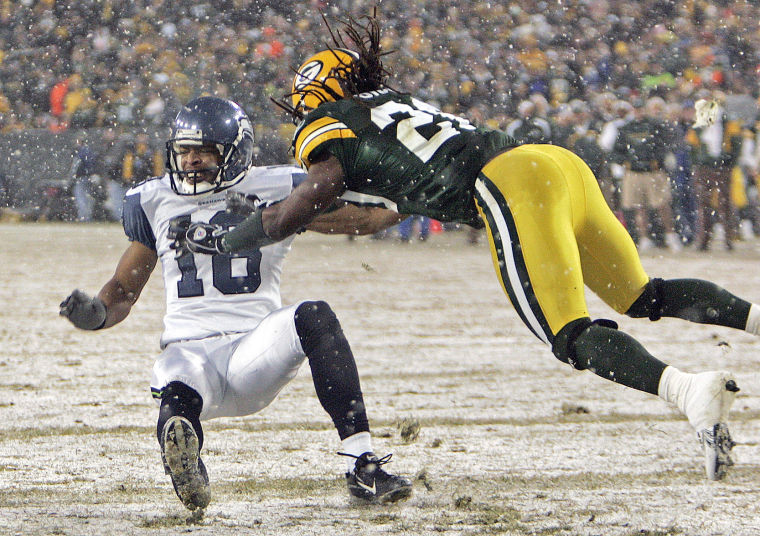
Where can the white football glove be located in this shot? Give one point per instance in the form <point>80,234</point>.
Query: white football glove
<point>706,113</point>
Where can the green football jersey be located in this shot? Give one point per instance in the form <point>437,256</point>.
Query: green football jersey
<point>395,147</point>
<point>643,144</point>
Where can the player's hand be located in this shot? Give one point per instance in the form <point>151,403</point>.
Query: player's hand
<point>83,311</point>
<point>205,238</point>
<point>238,203</point>
<point>195,237</point>
<point>177,234</point>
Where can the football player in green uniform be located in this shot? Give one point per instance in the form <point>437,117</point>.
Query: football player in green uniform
<point>549,228</point>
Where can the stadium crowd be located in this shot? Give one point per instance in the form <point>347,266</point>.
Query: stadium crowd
<point>569,73</point>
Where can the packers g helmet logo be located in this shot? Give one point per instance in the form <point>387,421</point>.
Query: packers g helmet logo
<point>307,74</point>
<point>318,79</point>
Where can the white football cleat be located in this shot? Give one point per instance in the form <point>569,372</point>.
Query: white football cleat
<point>716,445</point>
<point>707,402</point>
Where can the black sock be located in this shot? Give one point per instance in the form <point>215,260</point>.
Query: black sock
<point>616,356</point>
<point>694,300</point>
<point>704,302</point>
<point>179,399</point>
<point>333,368</point>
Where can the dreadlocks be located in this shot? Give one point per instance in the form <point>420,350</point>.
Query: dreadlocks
<point>366,73</point>
<point>369,73</point>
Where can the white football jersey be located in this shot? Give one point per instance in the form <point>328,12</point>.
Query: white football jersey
<point>211,294</point>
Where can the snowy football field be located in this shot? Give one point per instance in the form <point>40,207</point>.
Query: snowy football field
<point>499,436</point>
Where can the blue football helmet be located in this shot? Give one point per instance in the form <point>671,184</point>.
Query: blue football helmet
<point>210,121</point>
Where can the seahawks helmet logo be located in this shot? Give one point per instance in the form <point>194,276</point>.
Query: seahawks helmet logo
<point>308,74</point>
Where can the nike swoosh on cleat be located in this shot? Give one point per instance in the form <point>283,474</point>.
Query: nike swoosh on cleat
<point>372,489</point>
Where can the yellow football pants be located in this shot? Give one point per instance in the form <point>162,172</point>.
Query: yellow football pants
<point>551,233</point>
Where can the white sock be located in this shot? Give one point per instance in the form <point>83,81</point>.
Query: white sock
<point>673,386</point>
<point>753,320</point>
<point>356,445</point>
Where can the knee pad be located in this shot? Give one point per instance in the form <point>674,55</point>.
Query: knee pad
<point>649,304</point>
<point>314,320</point>
<point>563,346</point>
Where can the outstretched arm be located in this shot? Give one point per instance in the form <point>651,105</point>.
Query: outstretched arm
<point>307,201</point>
<point>120,293</point>
<point>266,226</point>
<point>355,220</point>
<point>115,299</point>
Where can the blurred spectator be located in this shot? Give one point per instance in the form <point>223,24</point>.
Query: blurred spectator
<point>89,191</point>
<point>125,163</point>
<point>641,147</point>
<point>530,127</point>
<point>112,168</point>
<point>414,224</point>
<point>134,54</point>
<point>619,113</point>
<point>716,151</point>
<point>57,107</point>
<point>749,214</point>
<point>679,166</point>
<point>585,143</point>
<point>562,125</point>
<point>54,202</point>
<point>78,104</point>
<point>5,192</point>
<point>58,96</point>
<point>130,63</point>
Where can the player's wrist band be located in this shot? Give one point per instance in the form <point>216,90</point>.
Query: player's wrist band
<point>100,309</point>
<point>248,235</point>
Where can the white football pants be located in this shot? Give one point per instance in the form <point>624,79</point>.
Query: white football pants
<point>236,374</point>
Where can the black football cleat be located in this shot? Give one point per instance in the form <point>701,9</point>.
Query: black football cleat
<point>180,453</point>
<point>370,483</point>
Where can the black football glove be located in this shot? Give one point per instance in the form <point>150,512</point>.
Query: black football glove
<point>83,311</point>
<point>205,238</point>
<point>241,204</point>
<point>195,237</point>
<point>177,232</point>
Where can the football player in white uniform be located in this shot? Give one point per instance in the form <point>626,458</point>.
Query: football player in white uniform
<point>228,345</point>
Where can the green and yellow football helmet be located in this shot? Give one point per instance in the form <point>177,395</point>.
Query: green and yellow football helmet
<point>318,79</point>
